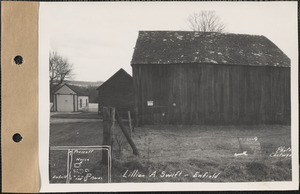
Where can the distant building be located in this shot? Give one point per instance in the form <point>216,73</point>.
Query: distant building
<point>117,92</point>
<point>189,77</point>
<point>68,98</point>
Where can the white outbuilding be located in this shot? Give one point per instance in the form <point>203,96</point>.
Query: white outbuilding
<point>69,98</point>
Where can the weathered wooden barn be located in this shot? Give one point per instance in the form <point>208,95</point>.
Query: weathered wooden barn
<point>117,92</point>
<point>69,98</point>
<point>185,77</point>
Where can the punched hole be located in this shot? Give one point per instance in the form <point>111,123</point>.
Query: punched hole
<point>17,137</point>
<point>18,60</point>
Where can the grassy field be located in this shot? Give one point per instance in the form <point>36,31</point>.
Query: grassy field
<point>187,153</point>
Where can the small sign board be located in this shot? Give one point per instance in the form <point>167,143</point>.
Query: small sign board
<point>250,144</point>
<point>150,103</point>
<point>84,164</point>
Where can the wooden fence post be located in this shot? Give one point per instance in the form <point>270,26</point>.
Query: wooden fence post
<point>129,121</point>
<point>119,120</point>
<point>136,120</point>
<point>108,130</point>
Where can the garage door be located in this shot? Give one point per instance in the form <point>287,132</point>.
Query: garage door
<point>65,103</point>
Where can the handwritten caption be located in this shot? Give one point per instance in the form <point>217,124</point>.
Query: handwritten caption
<point>282,152</point>
<point>82,161</point>
<point>84,167</point>
<point>164,174</point>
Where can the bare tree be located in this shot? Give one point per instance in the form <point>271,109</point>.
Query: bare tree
<point>59,69</point>
<point>205,21</point>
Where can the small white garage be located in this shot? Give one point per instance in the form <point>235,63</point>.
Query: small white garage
<point>68,98</point>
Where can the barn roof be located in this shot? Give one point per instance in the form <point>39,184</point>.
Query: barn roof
<point>115,79</point>
<point>173,47</point>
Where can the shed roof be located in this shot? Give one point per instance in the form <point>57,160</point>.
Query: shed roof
<point>115,80</point>
<point>80,91</point>
<point>173,47</point>
<point>117,91</point>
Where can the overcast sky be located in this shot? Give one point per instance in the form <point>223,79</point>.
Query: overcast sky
<point>99,38</point>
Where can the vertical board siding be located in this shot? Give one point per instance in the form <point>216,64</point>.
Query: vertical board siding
<point>212,94</point>
<point>117,92</point>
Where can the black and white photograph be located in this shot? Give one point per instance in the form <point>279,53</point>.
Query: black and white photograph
<point>169,93</point>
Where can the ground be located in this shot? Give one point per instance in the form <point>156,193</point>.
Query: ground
<point>172,153</point>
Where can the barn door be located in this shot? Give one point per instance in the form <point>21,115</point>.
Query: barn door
<point>173,112</point>
<point>173,107</point>
<point>160,114</point>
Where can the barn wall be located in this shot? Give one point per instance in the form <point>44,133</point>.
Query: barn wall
<point>118,94</point>
<point>123,101</point>
<point>212,94</point>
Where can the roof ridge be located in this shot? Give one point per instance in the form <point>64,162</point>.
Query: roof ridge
<point>119,71</point>
<point>187,31</point>
<point>65,84</point>
<point>177,47</point>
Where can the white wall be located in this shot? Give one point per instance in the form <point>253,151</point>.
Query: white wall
<point>93,107</point>
<point>84,105</point>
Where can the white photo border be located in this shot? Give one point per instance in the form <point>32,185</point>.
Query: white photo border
<point>44,116</point>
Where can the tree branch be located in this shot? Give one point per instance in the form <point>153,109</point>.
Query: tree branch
<point>205,21</point>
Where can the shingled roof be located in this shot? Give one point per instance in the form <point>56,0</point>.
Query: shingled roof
<point>173,47</point>
<point>116,80</point>
<point>80,91</point>
<point>117,91</point>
